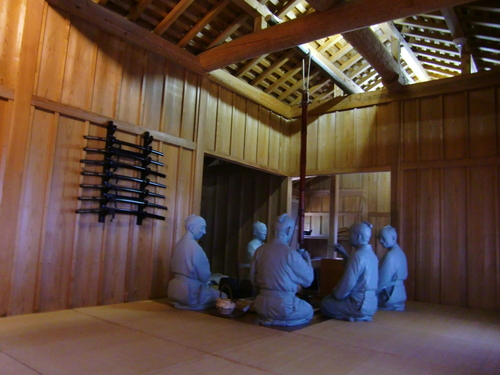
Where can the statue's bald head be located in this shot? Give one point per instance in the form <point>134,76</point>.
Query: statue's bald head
<point>360,233</point>
<point>196,225</point>
<point>283,227</point>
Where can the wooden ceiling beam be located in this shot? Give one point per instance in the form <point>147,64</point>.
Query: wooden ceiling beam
<point>340,79</point>
<point>219,7</point>
<point>460,38</point>
<point>138,9</point>
<point>229,30</point>
<point>348,16</point>
<point>329,43</point>
<point>249,66</point>
<point>440,38</point>
<point>439,27</point>
<point>172,16</point>
<point>287,8</point>
<point>273,67</point>
<point>407,53</point>
<point>367,43</point>
<point>285,77</point>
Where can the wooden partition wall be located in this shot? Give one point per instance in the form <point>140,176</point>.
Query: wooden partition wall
<point>234,197</point>
<point>60,79</point>
<point>444,154</point>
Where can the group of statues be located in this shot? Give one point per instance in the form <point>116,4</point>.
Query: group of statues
<point>277,270</point>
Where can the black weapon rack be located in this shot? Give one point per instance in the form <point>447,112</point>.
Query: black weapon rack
<point>114,185</point>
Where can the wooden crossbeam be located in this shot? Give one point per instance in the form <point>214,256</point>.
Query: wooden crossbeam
<point>284,77</point>
<point>138,9</point>
<point>348,16</point>
<point>287,8</point>
<point>219,7</point>
<point>273,67</point>
<point>172,16</point>
<point>367,43</point>
<point>238,22</point>
<point>407,53</point>
<point>440,27</point>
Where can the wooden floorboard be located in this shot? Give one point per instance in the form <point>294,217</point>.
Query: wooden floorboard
<point>151,337</point>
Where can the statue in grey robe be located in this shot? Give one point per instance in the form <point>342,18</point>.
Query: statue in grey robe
<point>392,272</point>
<point>354,297</point>
<point>189,288</point>
<point>277,270</point>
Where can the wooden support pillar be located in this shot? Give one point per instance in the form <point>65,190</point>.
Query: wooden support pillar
<point>334,214</point>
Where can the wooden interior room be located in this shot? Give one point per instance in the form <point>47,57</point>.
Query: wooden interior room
<point>403,128</point>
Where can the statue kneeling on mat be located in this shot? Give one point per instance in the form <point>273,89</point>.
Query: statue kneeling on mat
<point>392,272</point>
<point>354,297</point>
<point>189,289</point>
<point>277,270</point>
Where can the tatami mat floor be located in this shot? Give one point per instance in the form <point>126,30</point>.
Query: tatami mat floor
<point>151,337</point>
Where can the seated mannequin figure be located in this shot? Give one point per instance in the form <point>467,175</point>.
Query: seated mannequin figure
<point>277,270</point>
<point>354,297</point>
<point>188,289</point>
<point>392,272</point>
<point>259,235</point>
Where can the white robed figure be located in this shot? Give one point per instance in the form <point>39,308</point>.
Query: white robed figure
<point>277,270</point>
<point>189,288</point>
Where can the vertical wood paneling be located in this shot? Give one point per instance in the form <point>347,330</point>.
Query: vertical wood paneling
<point>153,82</point>
<point>224,125</point>
<point>274,141</point>
<point>410,130</point>
<point>388,122</point>
<point>86,268</point>
<point>163,232</point>
<point>53,58</point>
<point>409,235</point>
<point>238,128</point>
<point>130,97</point>
<point>107,75</point>
<point>11,25</point>
<point>344,140</point>
<point>80,65</point>
<point>312,152</point>
<point>455,126</point>
<point>428,254</point>
<point>209,94</point>
<point>454,238</point>
<point>189,106</point>
<point>172,99</point>
<point>17,130</point>
<point>483,129</point>
<point>33,211</point>
<point>430,129</point>
<point>251,132</point>
<point>57,253</point>
<point>481,239</point>
<point>263,137</point>
<point>326,138</point>
<point>284,145</point>
<point>365,124</point>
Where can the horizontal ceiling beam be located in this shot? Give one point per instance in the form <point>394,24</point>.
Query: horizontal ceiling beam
<point>342,17</point>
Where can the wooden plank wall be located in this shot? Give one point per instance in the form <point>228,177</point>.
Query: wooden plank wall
<point>235,197</point>
<point>61,79</point>
<point>362,196</point>
<point>444,155</point>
